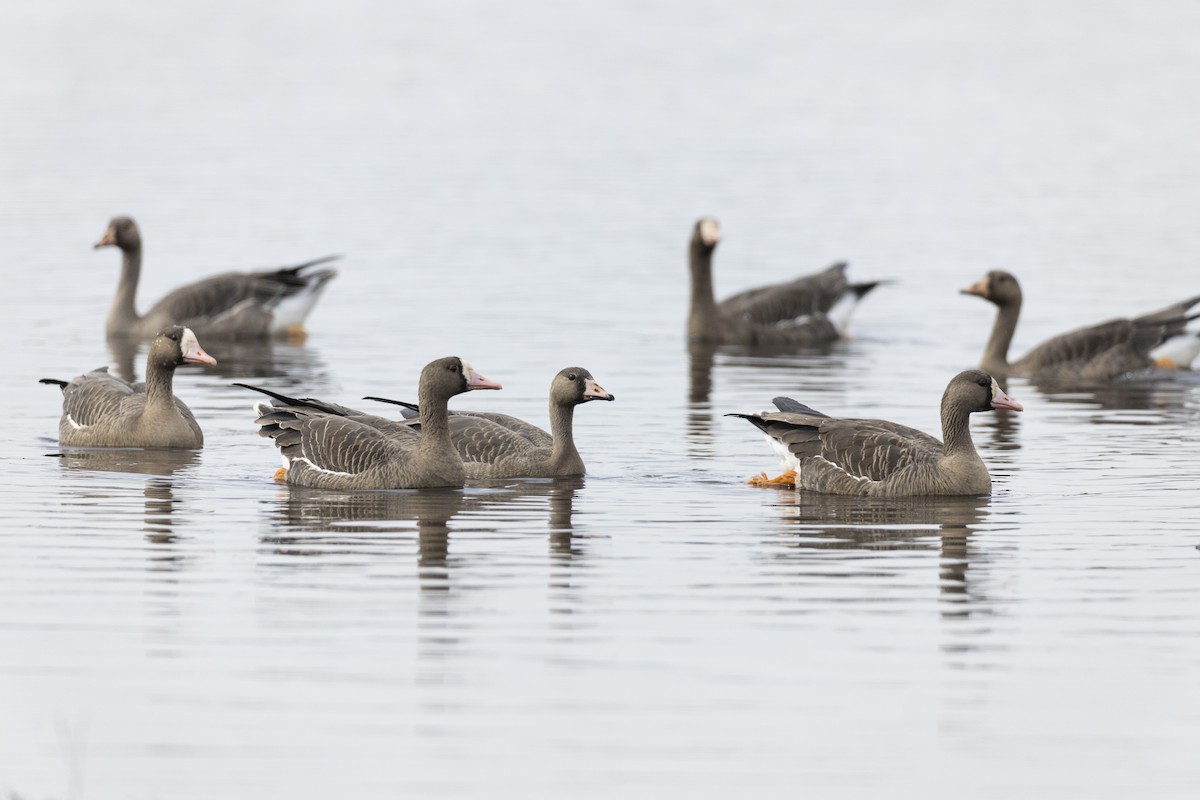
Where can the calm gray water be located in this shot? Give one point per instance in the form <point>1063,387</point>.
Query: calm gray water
<point>515,183</point>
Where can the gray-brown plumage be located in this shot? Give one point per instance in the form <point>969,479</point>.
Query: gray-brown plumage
<point>102,410</point>
<point>795,314</point>
<point>1096,353</point>
<point>500,446</point>
<point>327,446</point>
<point>876,458</point>
<point>230,305</point>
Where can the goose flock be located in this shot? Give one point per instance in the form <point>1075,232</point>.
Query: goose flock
<point>330,446</point>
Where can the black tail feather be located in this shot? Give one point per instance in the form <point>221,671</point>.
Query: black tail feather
<point>795,406</point>
<point>53,381</point>
<point>302,402</point>
<point>413,408</point>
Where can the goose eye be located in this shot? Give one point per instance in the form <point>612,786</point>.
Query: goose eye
<point>571,377</point>
<point>454,367</point>
<point>174,337</point>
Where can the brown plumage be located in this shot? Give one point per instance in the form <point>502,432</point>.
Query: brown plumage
<point>1096,353</point>
<point>500,446</point>
<point>327,446</point>
<point>870,457</point>
<point>102,410</point>
<point>230,305</point>
<point>795,314</point>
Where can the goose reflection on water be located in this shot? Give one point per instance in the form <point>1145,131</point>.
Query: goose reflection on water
<point>315,523</point>
<point>162,507</point>
<point>1159,390</point>
<point>777,373</point>
<point>831,522</point>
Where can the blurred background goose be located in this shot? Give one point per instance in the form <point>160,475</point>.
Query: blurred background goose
<point>326,446</point>
<point>1096,353</point>
<point>876,458</point>
<point>102,410</point>
<point>811,310</point>
<point>230,305</point>
<point>500,446</point>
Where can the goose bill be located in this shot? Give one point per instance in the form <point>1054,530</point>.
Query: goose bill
<point>593,391</point>
<point>1001,400</point>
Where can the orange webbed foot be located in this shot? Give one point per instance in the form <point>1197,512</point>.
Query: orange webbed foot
<point>295,334</point>
<point>784,480</point>
<point>280,475</point>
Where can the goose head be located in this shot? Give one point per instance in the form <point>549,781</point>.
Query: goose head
<point>706,233</point>
<point>997,287</point>
<point>449,376</point>
<point>974,390</point>
<point>177,345</point>
<point>575,385</point>
<point>122,232</point>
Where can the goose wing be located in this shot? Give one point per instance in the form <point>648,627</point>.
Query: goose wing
<point>97,397</point>
<point>874,449</point>
<point>222,298</point>
<point>483,440</point>
<point>1105,350</point>
<point>330,443</point>
<point>768,305</point>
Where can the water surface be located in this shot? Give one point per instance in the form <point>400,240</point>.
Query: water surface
<point>515,184</point>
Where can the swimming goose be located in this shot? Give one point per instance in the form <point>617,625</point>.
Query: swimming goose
<point>1097,353</point>
<point>230,305</point>
<point>499,446</point>
<point>102,410</point>
<point>810,310</point>
<point>871,457</point>
<point>326,446</point>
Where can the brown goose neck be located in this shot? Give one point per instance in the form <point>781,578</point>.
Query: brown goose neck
<point>124,311</point>
<point>159,384</point>
<point>562,419</point>
<point>956,428</point>
<point>435,420</point>
<point>702,318</point>
<point>995,355</point>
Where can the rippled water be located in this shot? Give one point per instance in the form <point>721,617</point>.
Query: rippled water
<point>515,184</point>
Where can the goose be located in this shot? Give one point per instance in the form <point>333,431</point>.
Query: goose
<point>499,446</point>
<point>230,305</point>
<point>327,446</point>
<point>1096,353</point>
<point>810,310</point>
<point>102,410</point>
<point>875,458</point>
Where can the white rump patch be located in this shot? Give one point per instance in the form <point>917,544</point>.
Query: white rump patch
<point>785,456</point>
<point>843,309</point>
<point>291,310</point>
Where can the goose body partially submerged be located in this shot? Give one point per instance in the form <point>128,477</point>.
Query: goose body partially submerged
<point>810,310</point>
<point>102,410</point>
<point>243,305</point>
<point>877,458</point>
